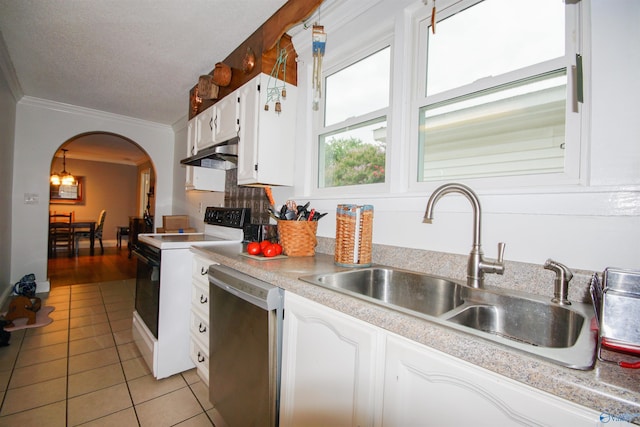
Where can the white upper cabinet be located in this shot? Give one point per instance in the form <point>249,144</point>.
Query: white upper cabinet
<point>218,123</point>
<point>225,118</point>
<point>204,129</point>
<point>266,145</point>
<point>198,178</point>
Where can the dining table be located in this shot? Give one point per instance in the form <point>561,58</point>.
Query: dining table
<point>81,225</point>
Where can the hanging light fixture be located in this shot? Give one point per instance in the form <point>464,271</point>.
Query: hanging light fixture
<point>64,178</point>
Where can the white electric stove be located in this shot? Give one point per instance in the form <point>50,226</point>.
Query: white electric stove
<point>163,288</point>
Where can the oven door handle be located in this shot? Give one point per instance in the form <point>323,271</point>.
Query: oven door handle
<point>145,259</point>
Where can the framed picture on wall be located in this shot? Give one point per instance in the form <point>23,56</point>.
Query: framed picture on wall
<point>67,194</point>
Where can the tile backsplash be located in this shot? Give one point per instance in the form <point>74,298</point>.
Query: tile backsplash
<point>246,197</point>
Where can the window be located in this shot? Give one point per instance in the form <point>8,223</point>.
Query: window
<point>493,96</point>
<point>352,139</point>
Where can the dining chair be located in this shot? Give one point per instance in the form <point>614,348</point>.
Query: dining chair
<point>97,233</point>
<point>60,233</point>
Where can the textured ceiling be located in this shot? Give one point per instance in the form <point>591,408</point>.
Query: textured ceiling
<point>137,58</point>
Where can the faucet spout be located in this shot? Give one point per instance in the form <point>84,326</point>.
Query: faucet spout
<point>469,194</point>
<point>477,266</point>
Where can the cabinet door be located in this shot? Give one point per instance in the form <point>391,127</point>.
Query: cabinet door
<point>248,144</point>
<point>191,150</point>
<point>267,138</point>
<point>225,120</point>
<point>328,367</point>
<point>423,386</point>
<point>204,132</point>
<point>192,137</point>
<point>207,179</point>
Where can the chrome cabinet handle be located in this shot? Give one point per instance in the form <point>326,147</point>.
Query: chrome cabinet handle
<point>203,271</point>
<point>203,299</point>
<point>202,328</point>
<point>200,357</point>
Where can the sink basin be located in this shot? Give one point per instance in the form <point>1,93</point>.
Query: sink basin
<point>525,322</point>
<point>399,289</point>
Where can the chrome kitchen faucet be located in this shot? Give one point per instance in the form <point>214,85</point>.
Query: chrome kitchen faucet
<point>477,266</point>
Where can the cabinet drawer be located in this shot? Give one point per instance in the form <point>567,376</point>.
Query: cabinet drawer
<point>199,328</point>
<point>200,298</point>
<point>201,359</point>
<point>200,269</point>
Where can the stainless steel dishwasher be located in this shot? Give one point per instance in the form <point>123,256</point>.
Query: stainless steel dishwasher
<point>245,345</point>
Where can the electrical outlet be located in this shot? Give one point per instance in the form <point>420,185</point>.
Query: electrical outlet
<point>200,207</point>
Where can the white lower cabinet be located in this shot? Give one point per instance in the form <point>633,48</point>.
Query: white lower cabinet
<point>423,386</point>
<point>340,371</point>
<point>199,320</point>
<point>329,367</point>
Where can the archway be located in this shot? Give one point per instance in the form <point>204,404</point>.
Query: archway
<point>114,173</point>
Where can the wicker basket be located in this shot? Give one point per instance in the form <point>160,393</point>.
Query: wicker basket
<point>354,234</point>
<point>298,238</point>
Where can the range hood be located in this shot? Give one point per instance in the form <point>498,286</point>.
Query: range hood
<point>219,156</point>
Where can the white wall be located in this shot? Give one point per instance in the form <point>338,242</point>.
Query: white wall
<point>591,225</point>
<point>7,127</point>
<point>41,127</point>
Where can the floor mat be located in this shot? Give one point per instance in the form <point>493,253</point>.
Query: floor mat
<point>42,319</point>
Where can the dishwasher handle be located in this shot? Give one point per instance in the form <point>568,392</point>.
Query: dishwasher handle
<point>250,289</point>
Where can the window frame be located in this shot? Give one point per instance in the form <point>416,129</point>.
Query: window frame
<point>333,64</point>
<point>574,159</point>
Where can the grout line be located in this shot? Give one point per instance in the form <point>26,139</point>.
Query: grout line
<point>66,402</point>
<point>124,375</point>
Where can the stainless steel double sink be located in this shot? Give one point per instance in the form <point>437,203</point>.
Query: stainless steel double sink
<point>527,322</point>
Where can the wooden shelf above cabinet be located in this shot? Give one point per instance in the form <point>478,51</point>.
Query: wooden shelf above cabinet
<point>265,44</point>
<point>264,62</point>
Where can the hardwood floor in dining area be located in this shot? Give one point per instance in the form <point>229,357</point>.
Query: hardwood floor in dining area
<point>114,264</point>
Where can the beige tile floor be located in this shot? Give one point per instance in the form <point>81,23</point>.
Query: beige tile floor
<point>84,369</point>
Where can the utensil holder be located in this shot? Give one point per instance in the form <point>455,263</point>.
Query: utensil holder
<point>354,233</point>
<point>298,238</point>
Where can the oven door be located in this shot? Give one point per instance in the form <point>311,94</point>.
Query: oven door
<point>147,301</point>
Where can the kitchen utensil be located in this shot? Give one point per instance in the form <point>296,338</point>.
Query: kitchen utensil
<point>269,193</point>
<point>290,215</point>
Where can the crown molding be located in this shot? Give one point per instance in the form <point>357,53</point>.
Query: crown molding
<point>74,109</point>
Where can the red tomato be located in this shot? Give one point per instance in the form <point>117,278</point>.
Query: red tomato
<point>254,248</point>
<point>264,243</point>
<point>269,251</point>
<point>278,248</point>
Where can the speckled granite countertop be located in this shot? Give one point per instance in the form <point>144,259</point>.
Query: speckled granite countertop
<point>607,388</point>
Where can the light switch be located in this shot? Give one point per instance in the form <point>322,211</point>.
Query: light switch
<point>31,198</point>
